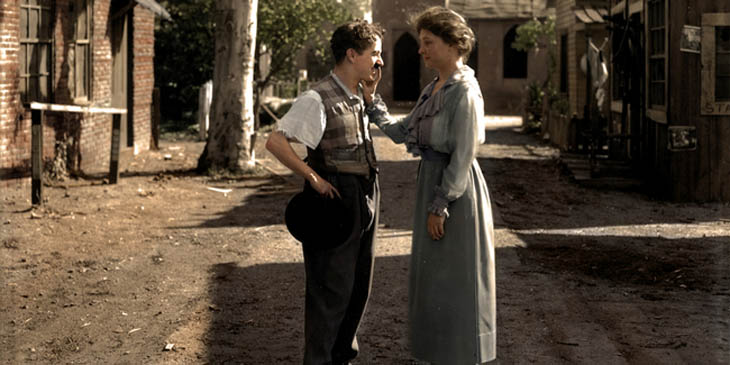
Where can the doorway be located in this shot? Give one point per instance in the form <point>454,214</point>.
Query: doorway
<point>406,69</point>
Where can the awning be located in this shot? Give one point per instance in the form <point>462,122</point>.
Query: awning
<point>155,7</point>
<point>590,15</point>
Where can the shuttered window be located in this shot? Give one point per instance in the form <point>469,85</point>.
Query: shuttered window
<point>82,50</point>
<point>36,48</point>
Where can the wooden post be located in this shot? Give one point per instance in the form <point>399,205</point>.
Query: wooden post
<point>156,118</point>
<point>36,159</point>
<point>114,159</point>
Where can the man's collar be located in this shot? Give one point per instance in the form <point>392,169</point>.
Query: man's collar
<point>342,85</point>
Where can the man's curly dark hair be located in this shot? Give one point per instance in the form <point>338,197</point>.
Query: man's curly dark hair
<point>357,34</point>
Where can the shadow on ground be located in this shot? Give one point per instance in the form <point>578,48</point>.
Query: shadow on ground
<point>258,314</point>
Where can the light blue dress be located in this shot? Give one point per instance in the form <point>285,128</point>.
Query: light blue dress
<point>452,301</point>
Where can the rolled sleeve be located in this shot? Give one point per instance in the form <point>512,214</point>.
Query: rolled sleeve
<point>306,120</point>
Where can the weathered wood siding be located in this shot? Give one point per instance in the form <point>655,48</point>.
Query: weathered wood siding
<point>704,173</point>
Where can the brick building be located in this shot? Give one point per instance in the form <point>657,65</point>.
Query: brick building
<point>503,72</point>
<point>74,52</point>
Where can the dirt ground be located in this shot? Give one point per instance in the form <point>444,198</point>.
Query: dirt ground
<point>114,274</point>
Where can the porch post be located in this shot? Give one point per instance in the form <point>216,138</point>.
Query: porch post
<point>36,156</point>
<point>114,154</point>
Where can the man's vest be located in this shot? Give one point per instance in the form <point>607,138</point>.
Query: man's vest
<point>339,150</point>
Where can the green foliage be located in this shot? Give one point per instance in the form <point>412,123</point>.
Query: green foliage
<point>184,57</point>
<point>185,46</point>
<point>536,35</point>
<point>533,107</point>
<point>285,27</point>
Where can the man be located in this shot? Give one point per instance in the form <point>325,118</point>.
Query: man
<point>330,120</point>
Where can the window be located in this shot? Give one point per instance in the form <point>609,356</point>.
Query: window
<point>657,33</point>
<point>82,51</point>
<point>715,53</point>
<point>515,62</point>
<point>36,45</point>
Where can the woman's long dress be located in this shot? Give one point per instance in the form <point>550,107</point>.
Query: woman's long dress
<point>452,301</point>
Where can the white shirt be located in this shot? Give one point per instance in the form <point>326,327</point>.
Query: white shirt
<point>307,119</point>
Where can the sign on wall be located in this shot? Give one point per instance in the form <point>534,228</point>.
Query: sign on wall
<point>682,138</point>
<point>691,37</point>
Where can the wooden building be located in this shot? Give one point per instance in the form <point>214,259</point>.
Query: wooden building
<point>578,23</point>
<point>74,52</point>
<point>669,88</point>
<point>683,122</point>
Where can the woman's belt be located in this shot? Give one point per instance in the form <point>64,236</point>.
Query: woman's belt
<point>431,155</point>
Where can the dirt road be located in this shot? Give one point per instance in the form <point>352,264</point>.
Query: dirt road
<point>112,274</point>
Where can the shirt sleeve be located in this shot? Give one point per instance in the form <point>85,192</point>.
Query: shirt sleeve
<point>306,120</point>
<point>464,139</point>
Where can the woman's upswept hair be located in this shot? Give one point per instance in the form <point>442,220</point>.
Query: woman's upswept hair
<point>357,34</point>
<point>448,25</point>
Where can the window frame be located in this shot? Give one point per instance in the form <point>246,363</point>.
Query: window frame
<point>564,83</point>
<point>25,42</point>
<point>709,104</point>
<point>82,80</point>
<point>657,112</point>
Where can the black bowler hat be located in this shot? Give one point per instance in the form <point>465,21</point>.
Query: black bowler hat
<point>319,222</point>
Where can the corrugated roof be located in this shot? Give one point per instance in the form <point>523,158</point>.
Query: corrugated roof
<point>494,9</point>
<point>155,7</point>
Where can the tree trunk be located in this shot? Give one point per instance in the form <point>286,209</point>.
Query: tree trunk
<point>231,118</point>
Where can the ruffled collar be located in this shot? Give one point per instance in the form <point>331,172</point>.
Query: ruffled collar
<point>419,128</point>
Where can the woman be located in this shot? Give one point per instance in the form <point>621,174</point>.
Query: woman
<point>452,314</point>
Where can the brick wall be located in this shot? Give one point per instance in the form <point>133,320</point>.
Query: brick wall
<point>95,130</point>
<point>89,135</point>
<point>144,76</point>
<point>14,130</point>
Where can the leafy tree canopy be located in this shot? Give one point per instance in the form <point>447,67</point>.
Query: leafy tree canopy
<point>285,27</point>
<point>184,47</point>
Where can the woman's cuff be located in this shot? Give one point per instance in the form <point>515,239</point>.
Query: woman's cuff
<point>377,109</point>
<point>440,204</point>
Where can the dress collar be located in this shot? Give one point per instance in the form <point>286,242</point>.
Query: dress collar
<point>419,127</point>
<point>461,74</point>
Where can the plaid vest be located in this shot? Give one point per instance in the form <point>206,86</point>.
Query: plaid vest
<point>339,150</point>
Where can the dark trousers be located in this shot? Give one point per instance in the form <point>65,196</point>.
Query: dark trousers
<point>339,279</point>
